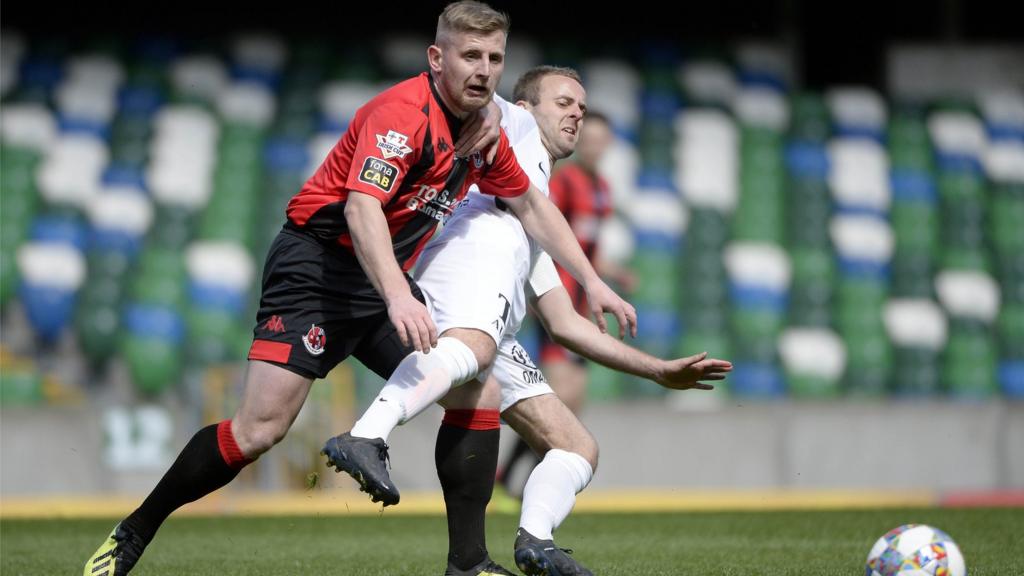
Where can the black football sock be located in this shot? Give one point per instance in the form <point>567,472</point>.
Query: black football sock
<point>209,461</point>
<point>466,456</point>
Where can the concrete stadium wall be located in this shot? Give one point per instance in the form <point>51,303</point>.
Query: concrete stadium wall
<point>895,445</point>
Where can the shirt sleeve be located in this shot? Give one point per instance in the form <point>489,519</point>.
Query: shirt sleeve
<point>388,144</point>
<point>505,178</point>
<point>543,275</point>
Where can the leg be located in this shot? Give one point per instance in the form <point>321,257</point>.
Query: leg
<point>211,459</point>
<point>423,379</point>
<point>466,454</point>
<point>566,374</point>
<point>568,378</point>
<point>416,381</point>
<point>570,457</point>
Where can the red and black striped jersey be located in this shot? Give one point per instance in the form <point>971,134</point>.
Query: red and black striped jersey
<point>585,200</point>
<point>399,148</point>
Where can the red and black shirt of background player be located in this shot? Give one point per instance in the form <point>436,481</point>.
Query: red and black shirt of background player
<point>585,200</point>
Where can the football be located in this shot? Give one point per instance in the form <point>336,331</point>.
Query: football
<point>915,550</point>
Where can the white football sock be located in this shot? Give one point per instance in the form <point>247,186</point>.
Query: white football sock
<point>550,492</point>
<point>419,381</point>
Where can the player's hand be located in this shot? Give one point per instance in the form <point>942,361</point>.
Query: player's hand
<point>603,300</point>
<point>481,132</point>
<point>687,373</point>
<point>413,323</point>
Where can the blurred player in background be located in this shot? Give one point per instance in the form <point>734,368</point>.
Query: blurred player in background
<point>335,282</point>
<point>584,198</point>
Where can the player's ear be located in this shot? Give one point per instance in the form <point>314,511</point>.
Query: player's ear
<point>434,54</point>
<point>523,104</point>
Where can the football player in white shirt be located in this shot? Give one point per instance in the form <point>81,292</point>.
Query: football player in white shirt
<point>477,275</point>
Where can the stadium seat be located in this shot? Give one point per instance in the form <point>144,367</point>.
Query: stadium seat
<point>918,330</point>
<point>1011,378</point>
<point>970,361</point>
<point>614,87</point>
<point>198,78</point>
<point>151,346</point>
<point>814,360</point>
<point>159,278</point>
<point>759,278</point>
<point>120,218</point>
<point>28,126</point>
<point>971,299</point>
<point>12,49</point>
<point>708,83</point>
<point>51,274</point>
<point>220,275</point>
<point>859,176</point>
<point>246,103</point>
<point>813,286</point>
<point>763,64</point>
<point>810,121</point>
<point>659,222</point>
<point>258,58</point>
<point>761,108</point>
<point>1003,113</point>
<point>857,112</point>
<point>707,160</point>
<point>756,381</point>
<point>402,54</point>
<point>70,173</point>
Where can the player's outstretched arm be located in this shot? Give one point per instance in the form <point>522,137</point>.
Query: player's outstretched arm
<point>574,332</point>
<point>546,224</point>
<point>372,243</point>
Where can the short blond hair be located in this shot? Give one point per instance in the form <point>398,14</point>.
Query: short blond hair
<point>469,16</point>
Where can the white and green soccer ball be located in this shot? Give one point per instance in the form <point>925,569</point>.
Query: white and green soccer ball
<point>915,550</point>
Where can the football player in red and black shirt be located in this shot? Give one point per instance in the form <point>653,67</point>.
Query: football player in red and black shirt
<point>334,283</point>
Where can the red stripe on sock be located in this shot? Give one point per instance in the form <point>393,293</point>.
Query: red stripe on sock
<point>473,419</point>
<point>270,350</point>
<point>229,449</point>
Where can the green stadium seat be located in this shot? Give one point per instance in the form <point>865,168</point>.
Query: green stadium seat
<point>154,364</point>
<point>214,337</point>
<point>970,361</point>
<point>810,118</point>
<point>916,226</point>
<point>869,362</point>
<point>1010,328</point>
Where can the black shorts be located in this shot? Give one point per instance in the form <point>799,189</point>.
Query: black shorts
<point>317,307</point>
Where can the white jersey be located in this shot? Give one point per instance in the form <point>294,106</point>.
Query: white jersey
<point>476,271</point>
<point>480,210</point>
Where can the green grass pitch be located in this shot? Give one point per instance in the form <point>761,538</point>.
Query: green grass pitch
<point>706,544</point>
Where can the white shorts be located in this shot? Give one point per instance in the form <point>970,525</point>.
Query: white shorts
<point>519,377</point>
<point>473,276</point>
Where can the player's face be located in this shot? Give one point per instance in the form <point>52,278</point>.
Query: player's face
<point>595,137</point>
<point>468,66</point>
<point>559,114</point>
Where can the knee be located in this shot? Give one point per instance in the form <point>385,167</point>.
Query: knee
<point>255,438</point>
<point>483,349</point>
<point>589,450</point>
<point>479,343</point>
